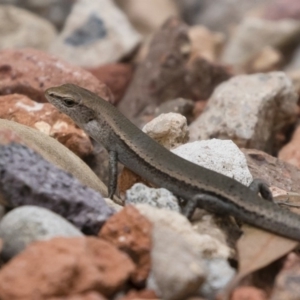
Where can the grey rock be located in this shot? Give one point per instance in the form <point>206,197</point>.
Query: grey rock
<point>28,179</point>
<point>160,198</point>
<point>26,224</point>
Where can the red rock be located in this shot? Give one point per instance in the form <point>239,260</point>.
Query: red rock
<point>30,72</point>
<point>131,232</point>
<point>116,76</point>
<point>85,296</point>
<point>65,267</point>
<point>248,293</point>
<point>139,295</point>
<point>47,119</point>
<point>282,9</point>
<point>290,153</point>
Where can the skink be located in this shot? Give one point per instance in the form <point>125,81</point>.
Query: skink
<point>197,185</point>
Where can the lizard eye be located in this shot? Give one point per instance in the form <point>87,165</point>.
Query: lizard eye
<point>69,102</point>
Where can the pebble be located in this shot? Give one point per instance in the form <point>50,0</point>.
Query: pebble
<point>26,224</point>
<point>95,33</point>
<point>250,110</point>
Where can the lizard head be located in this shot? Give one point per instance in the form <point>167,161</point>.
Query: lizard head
<point>69,99</point>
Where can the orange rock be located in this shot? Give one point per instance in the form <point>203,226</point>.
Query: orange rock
<point>47,119</point>
<point>30,72</point>
<point>65,267</point>
<point>115,76</point>
<point>248,293</point>
<point>139,295</point>
<point>131,232</point>
<point>86,296</point>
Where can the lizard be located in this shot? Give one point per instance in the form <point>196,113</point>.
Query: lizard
<point>198,186</point>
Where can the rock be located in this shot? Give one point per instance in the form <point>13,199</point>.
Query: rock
<point>169,71</point>
<point>141,294</point>
<point>267,168</point>
<point>170,130</point>
<point>206,43</point>
<point>30,72</point>
<point>26,178</point>
<point>286,286</point>
<point>250,110</point>
<point>223,157</point>
<point>254,34</point>
<point>24,225</point>
<point>294,64</point>
<point>47,119</point>
<point>290,152</point>
<point>218,15</point>
<point>65,267</point>
<point>84,296</point>
<point>207,246</point>
<point>177,268</point>
<point>249,293</point>
<point>55,11</point>
<point>160,198</point>
<point>282,9</point>
<point>90,29</point>
<point>115,76</point>
<point>181,106</point>
<point>21,28</point>
<point>52,151</point>
<point>140,13</point>
<point>129,231</point>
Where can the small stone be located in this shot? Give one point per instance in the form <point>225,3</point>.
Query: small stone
<point>170,130</point>
<point>91,29</point>
<point>26,178</point>
<point>220,156</point>
<point>249,293</point>
<point>65,267</point>
<point>47,119</point>
<point>30,72</point>
<point>21,28</point>
<point>160,198</point>
<point>253,35</point>
<point>129,231</point>
<point>177,268</point>
<point>115,76</point>
<point>250,110</point>
<point>26,224</point>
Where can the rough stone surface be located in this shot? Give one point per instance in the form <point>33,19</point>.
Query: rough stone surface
<point>290,153</point>
<point>21,28</point>
<point>91,36</point>
<point>160,198</point>
<point>52,151</point>
<point>65,267</point>
<point>55,11</point>
<point>177,268</point>
<point>28,179</point>
<point>170,130</point>
<point>24,225</point>
<point>30,72</point>
<point>140,13</point>
<point>47,119</point>
<point>131,232</point>
<point>115,76</point>
<point>181,106</point>
<point>221,156</point>
<point>207,246</point>
<point>254,34</point>
<point>282,9</point>
<point>272,170</point>
<point>250,110</point>
<point>168,71</point>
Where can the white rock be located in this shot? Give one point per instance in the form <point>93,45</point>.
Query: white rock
<point>222,156</point>
<point>21,28</point>
<point>95,33</point>
<point>253,34</point>
<point>160,198</point>
<point>170,130</point>
<point>248,109</point>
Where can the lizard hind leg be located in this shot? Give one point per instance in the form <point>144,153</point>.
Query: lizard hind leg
<point>259,186</point>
